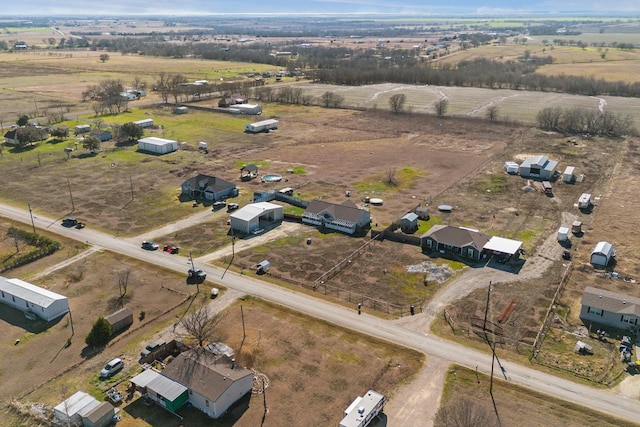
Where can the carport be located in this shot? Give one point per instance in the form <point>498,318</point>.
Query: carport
<point>504,247</point>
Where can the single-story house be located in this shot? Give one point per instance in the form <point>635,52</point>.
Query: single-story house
<point>161,389</point>
<point>538,167</point>
<point>120,320</point>
<point>249,217</point>
<point>102,135</point>
<point>610,309</point>
<point>84,409</point>
<point>345,217</point>
<point>215,382</point>
<point>409,222</point>
<point>207,187</point>
<point>602,254</point>
<point>33,299</point>
<point>458,241</point>
<point>157,145</point>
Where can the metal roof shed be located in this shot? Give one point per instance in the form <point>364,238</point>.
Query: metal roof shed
<point>602,254</point>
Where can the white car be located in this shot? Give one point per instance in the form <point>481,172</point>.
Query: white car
<point>112,368</point>
<point>258,231</point>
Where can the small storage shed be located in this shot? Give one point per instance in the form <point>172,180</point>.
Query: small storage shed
<point>409,222</point>
<point>120,320</point>
<point>80,129</point>
<point>584,202</point>
<point>602,254</point>
<point>73,409</point>
<point>563,234</point>
<point>203,145</point>
<point>156,145</point>
<point>423,213</point>
<point>568,175</point>
<point>511,167</point>
<point>263,266</point>
<point>576,227</point>
<point>100,416</point>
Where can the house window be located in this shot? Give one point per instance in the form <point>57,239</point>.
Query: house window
<point>429,243</point>
<point>595,311</point>
<point>13,298</point>
<point>448,247</point>
<point>470,253</point>
<point>206,402</point>
<point>2,294</point>
<point>628,319</point>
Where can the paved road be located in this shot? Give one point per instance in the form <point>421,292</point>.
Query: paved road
<point>605,401</point>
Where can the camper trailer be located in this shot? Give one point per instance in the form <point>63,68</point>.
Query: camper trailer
<point>584,202</point>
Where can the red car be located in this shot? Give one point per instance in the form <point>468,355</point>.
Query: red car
<point>171,249</point>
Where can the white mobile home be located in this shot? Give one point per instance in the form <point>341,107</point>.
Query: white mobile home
<point>262,126</point>
<point>144,123</point>
<point>33,299</point>
<point>156,145</point>
<point>363,410</point>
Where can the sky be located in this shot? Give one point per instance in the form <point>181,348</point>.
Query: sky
<point>399,7</point>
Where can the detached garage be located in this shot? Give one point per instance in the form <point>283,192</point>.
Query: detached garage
<point>602,254</point>
<point>156,145</point>
<point>248,218</point>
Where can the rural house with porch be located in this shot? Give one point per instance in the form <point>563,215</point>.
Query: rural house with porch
<point>606,308</point>
<point>345,217</point>
<point>205,187</point>
<point>457,241</point>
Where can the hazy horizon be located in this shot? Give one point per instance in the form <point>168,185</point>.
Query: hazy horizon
<point>121,8</point>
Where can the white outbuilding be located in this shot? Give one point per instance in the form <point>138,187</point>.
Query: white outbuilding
<point>261,126</point>
<point>563,234</point>
<point>83,409</point>
<point>602,254</point>
<point>249,217</point>
<point>569,174</point>
<point>157,145</point>
<point>251,109</point>
<point>32,299</point>
<point>144,123</point>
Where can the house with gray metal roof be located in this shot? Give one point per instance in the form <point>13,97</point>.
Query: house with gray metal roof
<point>206,187</point>
<point>256,215</point>
<point>611,309</point>
<point>538,167</point>
<point>162,390</point>
<point>32,299</point>
<point>345,217</point>
<point>214,381</point>
<point>456,241</point>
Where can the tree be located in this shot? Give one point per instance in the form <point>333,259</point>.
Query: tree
<point>441,107</point>
<point>29,134</point>
<point>60,132</point>
<point>124,277</point>
<point>201,325</point>
<point>104,57</point>
<point>100,333</point>
<point>464,412</point>
<point>107,95</point>
<point>396,102</point>
<point>391,177</point>
<point>23,120</point>
<point>492,113</point>
<point>129,131</point>
<point>91,143</point>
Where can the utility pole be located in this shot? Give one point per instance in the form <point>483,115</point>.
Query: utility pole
<point>73,206</point>
<point>32,223</point>
<point>131,183</point>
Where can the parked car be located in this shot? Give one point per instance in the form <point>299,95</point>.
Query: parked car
<point>232,207</point>
<point>150,246</point>
<point>197,276</point>
<point>80,225</point>
<point>218,205</point>
<point>171,249</point>
<point>257,231</point>
<point>112,368</point>
<point>69,222</point>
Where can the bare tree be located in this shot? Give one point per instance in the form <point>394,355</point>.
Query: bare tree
<point>464,412</point>
<point>396,102</point>
<point>331,99</point>
<point>391,177</point>
<point>124,278</point>
<point>202,324</point>
<point>441,107</point>
<point>492,113</point>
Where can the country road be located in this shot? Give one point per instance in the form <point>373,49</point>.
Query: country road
<point>606,401</point>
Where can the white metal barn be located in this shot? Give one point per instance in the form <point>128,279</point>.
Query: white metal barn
<point>252,109</point>
<point>538,167</point>
<point>602,254</point>
<point>261,126</point>
<point>248,218</point>
<point>157,145</point>
<point>33,299</point>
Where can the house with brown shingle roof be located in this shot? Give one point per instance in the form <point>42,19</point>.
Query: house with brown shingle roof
<point>610,309</point>
<point>214,381</point>
<point>206,187</point>
<point>345,217</point>
<point>458,241</point>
